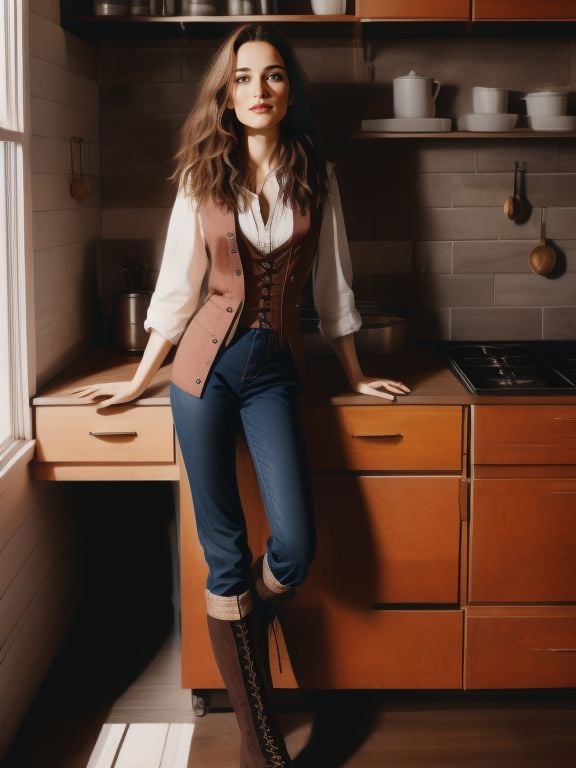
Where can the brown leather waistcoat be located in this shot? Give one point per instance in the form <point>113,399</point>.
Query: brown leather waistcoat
<point>215,321</point>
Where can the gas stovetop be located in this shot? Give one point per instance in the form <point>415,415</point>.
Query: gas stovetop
<point>530,367</point>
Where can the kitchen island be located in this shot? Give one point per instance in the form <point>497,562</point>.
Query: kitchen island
<point>446,539</point>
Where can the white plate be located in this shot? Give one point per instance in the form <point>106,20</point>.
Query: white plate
<point>407,124</point>
<point>487,122</point>
<point>552,122</point>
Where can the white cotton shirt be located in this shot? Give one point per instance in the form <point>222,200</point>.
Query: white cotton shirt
<point>172,303</point>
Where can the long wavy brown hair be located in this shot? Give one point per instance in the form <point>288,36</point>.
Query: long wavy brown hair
<point>210,160</point>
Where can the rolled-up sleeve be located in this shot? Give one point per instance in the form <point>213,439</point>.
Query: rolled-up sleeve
<point>183,266</point>
<point>332,271</point>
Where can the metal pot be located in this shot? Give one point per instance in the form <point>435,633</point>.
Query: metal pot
<point>379,335</point>
<point>129,313</point>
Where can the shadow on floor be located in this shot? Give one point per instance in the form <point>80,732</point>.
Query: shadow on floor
<point>125,614</point>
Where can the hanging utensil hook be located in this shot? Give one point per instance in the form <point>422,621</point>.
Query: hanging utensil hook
<point>79,186</point>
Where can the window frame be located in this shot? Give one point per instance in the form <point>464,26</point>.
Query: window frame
<point>21,321</point>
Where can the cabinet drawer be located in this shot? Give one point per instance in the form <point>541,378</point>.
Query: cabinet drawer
<point>518,434</point>
<point>400,537</point>
<point>520,648</point>
<point>331,647</point>
<point>384,437</point>
<point>415,9</point>
<point>523,540</point>
<point>523,10</point>
<point>121,434</point>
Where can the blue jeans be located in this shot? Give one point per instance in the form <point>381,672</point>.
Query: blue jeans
<point>253,389</point>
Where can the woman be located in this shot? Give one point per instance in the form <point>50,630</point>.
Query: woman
<point>256,209</point>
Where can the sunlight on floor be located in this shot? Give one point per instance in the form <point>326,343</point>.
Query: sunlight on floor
<point>142,745</point>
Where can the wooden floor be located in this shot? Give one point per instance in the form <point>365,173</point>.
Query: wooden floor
<point>93,683</point>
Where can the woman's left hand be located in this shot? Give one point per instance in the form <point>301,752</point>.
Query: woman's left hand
<point>385,388</point>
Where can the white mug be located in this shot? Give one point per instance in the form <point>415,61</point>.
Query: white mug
<point>324,7</point>
<point>489,101</point>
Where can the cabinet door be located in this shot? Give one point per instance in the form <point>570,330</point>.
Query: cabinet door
<point>334,647</point>
<point>382,542</point>
<point>524,434</point>
<point>523,540</point>
<point>523,10</point>
<point>416,9</point>
<point>387,540</point>
<point>520,647</point>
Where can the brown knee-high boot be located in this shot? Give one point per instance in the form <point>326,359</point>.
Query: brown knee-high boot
<point>232,633</point>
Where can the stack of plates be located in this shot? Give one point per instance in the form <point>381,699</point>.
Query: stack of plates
<point>196,8</point>
<point>408,124</point>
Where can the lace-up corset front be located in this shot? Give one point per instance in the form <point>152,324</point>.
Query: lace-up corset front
<point>265,274</point>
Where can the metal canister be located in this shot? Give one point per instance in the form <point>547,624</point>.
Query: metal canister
<point>162,7</point>
<point>139,7</point>
<point>110,7</point>
<point>129,313</point>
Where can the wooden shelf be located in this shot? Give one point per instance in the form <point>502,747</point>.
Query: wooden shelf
<point>517,134</point>
<point>132,19</point>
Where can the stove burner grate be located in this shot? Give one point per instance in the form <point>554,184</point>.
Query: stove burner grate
<point>538,367</point>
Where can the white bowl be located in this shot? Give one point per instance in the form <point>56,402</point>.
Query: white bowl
<point>328,7</point>
<point>546,103</point>
<point>500,122</point>
<point>552,122</point>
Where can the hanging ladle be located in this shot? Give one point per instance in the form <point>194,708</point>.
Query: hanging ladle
<point>79,186</point>
<point>513,206</point>
<point>542,257</point>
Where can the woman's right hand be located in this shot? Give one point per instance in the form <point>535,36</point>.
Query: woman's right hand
<point>124,391</point>
<point>117,392</point>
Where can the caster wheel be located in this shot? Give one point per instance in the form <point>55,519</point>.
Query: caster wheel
<point>199,705</point>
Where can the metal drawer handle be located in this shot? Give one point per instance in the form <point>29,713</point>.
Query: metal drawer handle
<point>555,650</point>
<point>114,434</point>
<point>564,418</point>
<point>391,436</point>
<point>564,493</point>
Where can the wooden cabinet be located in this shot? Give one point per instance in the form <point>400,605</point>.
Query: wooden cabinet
<point>77,442</point>
<point>446,10</point>
<point>523,540</point>
<point>465,10</point>
<point>523,10</point>
<point>398,535</point>
<point>124,434</point>
<point>380,607</point>
<point>522,548</point>
<point>521,647</point>
<point>383,438</point>
<point>518,434</point>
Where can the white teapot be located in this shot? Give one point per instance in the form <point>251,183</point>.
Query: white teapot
<point>415,95</point>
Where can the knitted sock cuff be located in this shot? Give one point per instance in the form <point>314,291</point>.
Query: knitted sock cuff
<point>230,608</point>
<point>270,580</point>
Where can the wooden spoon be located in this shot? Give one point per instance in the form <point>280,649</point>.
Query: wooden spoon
<point>79,186</point>
<point>542,257</point>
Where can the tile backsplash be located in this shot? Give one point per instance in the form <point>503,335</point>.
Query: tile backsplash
<point>428,236</point>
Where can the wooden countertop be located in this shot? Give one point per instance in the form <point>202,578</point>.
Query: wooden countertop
<point>421,367</point>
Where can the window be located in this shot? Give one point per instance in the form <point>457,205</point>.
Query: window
<point>14,412</point>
